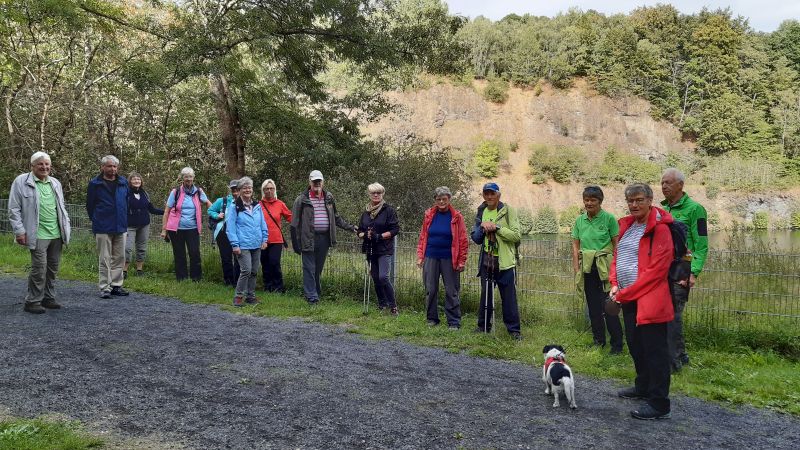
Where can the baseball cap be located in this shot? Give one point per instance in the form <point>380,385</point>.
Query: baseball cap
<point>315,175</point>
<point>234,184</point>
<point>491,187</point>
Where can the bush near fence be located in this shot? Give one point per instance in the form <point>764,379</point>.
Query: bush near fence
<point>739,291</point>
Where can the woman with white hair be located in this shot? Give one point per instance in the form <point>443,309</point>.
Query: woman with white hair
<point>247,232</point>
<point>378,227</point>
<point>273,210</point>
<point>183,225</point>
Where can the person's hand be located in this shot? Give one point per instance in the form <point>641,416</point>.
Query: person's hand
<point>361,235</point>
<point>420,262</point>
<point>386,235</point>
<point>163,233</point>
<point>355,230</point>
<point>488,227</point>
<point>22,239</point>
<point>460,268</point>
<point>692,280</point>
<point>236,251</point>
<point>613,294</point>
<point>369,234</point>
<point>220,216</point>
<point>575,268</point>
<point>264,246</point>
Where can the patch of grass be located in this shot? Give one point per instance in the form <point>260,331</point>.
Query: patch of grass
<point>37,434</point>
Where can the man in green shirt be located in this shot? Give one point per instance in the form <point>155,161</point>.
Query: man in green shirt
<point>40,222</point>
<point>691,213</point>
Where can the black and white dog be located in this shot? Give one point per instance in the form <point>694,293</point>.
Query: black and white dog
<point>557,375</point>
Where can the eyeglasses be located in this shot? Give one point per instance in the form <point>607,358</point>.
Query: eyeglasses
<point>637,201</point>
<point>376,193</point>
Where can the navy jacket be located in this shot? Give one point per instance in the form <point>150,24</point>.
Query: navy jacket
<point>108,213</point>
<point>139,210</point>
<point>386,220</point>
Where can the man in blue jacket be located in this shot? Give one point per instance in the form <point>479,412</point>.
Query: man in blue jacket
<point>107,205</point>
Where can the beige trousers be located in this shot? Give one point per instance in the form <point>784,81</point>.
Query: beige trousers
<point>111,259</point>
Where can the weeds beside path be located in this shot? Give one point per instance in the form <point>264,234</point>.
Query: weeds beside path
<point>202,377</point>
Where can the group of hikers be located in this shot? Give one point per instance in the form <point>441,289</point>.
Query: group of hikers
<point>629,262</point>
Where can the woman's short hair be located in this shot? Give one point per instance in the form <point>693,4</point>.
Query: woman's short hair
<point>109,159</point>
<point>133,175</point>
<point>266,183</point>
<point>187,171</point>
<point>638,188</point>
<point>39,155</point>
<point>376,187</point>
<point>442,190</point>
<point>593,192</point>
<point>245,181</point>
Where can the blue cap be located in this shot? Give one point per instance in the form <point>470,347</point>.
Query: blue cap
<point>491,187</point>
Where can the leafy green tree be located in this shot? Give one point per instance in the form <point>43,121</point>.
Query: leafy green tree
<point>487,158</point>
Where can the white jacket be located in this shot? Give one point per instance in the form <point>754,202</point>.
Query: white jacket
<point>23,208</point>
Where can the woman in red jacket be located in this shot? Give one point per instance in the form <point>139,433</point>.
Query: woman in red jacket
<point>442,252</point>
<point>638,278</point>
<point>273,210</point>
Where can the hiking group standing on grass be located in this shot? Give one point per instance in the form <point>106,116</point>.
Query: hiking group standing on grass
<point>634,262</point>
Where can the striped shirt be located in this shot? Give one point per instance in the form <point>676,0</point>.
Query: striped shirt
<point>628,255</point>
<point>321,221</point>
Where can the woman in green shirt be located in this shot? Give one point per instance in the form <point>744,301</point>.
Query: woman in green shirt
<point>594,238</point>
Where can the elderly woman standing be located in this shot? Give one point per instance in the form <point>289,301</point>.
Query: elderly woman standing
<point>378,227</point>
<point>139,210</point>
<point>594,238</point>
<point>183,221</point>
<point>247,232</point>
<point>273,210</point>
<point>442,252</point>
<point>639,283</point>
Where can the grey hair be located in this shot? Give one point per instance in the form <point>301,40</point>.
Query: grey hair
<point>39,155</point>
<point>676,173</point>
<point>245,181</point>
<point>638,188</point>
<point>186,171</point>
<point>442,190</point>
<point>376,187</point>
<point>266,183</point>
<point>109,159</point>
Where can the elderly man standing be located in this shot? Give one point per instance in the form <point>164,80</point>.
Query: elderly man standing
<point>683,209</point>
<point>496,230</point>
<point>107,205</point>
<point>39,219</point>
<point>313,230</point>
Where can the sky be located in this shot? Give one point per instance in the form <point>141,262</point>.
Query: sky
<point>763,15</point>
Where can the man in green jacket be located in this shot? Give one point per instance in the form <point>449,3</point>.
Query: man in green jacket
<point>688,211</point>
<point>496,230</point>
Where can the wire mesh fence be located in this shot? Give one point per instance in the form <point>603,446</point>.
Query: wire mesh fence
<point>738,289</point>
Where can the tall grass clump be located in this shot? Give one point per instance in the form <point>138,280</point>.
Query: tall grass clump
<point>37,434</point>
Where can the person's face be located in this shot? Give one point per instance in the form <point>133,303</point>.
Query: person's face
<point>443,202</point>
<point>639,206</point>
<point>269,192</point>
<point>136,182</point>
<point>316,185</point>
<point>591,205</point>
<point>188,180</point>
<point>235,192</point>
<point>109,170</point>
<point>41,169</point>
<point>375,197</point>
<point>246,192</point>
<point>671,187</point>
<point>491,198</point>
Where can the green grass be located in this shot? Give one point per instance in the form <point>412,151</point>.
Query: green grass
<point>38,434</point>
<point>734,368</point>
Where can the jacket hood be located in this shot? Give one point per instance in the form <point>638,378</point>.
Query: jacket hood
<point>657,215</point>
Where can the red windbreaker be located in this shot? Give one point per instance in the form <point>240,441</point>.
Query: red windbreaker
<point>460,244</point>
<point>651,289</point>
<point>277,208</point>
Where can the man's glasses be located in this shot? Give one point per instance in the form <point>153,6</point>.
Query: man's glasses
<point>637,201</point>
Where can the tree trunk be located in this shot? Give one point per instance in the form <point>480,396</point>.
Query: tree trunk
<point>228,115</point>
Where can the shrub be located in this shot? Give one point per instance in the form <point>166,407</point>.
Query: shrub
<point>625,168</point>
<point>795,220</point>
<point>761,220</point>
<point>525,221</point>
<point>712,190</point>
<point>496,90</point>
<point>735,172</point>
<point>487,158</point>
<point>562,163</point>
<point>545,221</point>
<point>568,216</point>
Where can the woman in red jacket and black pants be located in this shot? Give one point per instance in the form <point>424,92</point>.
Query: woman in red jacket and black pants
<point>639,283</point>
<point>273,210</point>
<point>442,252</point>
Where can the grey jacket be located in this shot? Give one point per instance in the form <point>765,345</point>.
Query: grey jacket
<point>302,226</point>
<point>23,208</point>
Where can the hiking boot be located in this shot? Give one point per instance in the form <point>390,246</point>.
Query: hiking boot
<point>482,330</point>
<point>515,335</point>
<point>105,294</point>
<point>394,311</point>
<point>647,412</point>
<point>50,304</point>
<point>119,292</point>
<point>616,351</point>
<point>238,300</point>
<point>139,273</point>
<point>34,308</point>
<point>252,301</point>
<point>684,360</point>
<point>630,393</point>
<point>675,367</point>
<point>432,323</point>
<point>453,327</point>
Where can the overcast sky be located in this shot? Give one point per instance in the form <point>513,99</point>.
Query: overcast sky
<point>763,15</point>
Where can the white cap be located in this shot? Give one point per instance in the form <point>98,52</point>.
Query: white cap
<point>315,175</point>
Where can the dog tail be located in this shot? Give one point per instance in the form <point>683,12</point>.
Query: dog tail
<point>569,390</point>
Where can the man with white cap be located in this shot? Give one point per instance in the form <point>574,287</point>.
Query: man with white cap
<point>313,231</point>
<point>40,222</point>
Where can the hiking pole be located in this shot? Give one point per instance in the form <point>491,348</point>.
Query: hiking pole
<point>493,246</point>
<point>368,273</point>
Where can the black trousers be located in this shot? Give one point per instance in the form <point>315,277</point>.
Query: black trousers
<point>183,240</point>
<point>506,284</point>
<point>230,265</point>
<point>650,353</point>
<point>595,301</point>
<point>271,268</point>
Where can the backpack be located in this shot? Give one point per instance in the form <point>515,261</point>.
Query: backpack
<point>680,268</point>
<point>212,222</point>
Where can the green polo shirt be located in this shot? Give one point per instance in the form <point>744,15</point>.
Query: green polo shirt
<point>48,216</point>
<point>595,233</point>
<point>694,216</point>
<point>489,215</point>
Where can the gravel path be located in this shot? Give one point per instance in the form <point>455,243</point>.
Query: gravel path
<point>199,377</point>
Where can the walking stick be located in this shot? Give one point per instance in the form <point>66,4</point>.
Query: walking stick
<point>490,284</point>
<point>367,273</point>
